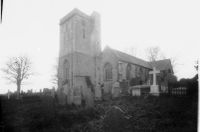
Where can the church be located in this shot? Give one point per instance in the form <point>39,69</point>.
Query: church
<point>85,69</point>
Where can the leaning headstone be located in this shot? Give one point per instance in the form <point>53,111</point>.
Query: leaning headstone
<point>115,120</point>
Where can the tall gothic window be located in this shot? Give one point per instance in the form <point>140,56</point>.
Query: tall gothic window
<point>108,71</point>
<point>66,70</point>
<point>120,71</point>
<point>128,72</point>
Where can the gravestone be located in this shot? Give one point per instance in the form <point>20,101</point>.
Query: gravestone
<point>154,87</point>
<point>70,96</point>
<point>66,91</point>
<point>139,90</point>
<point>98,92</point>
<point>163,88</point>
<point>124,87</point>
<point>8,94</point>
<point>53,92</point>
<point>89,99</point>
<point>136,92</point>
<point>116,90</point>
<point>115,120</point>
<point>77,96</point>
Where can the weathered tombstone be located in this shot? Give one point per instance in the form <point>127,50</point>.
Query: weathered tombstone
<point>98,91</point>
<point>116,90</point>
<point>66,94</point>
<point>70,96</point>
<point>139,90</point>
<point>30,92</point>
<point>53,92</point>
<point>154,87</point>
<point>163,88</point>
<point>77,96</point>
<point>89,99</point>
<point>40,92</point>
<point>61,96</point>
<point>115,120</point>
<point>8,94</point>
<point>136,92</point>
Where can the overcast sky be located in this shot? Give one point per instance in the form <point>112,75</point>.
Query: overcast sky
<point>31,27</point>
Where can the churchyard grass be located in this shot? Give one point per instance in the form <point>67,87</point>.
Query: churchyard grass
<point>143,114</point>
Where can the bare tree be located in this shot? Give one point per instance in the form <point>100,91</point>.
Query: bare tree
<point>174,63</point>
<point>196,66</point>
<point>153,53</point>
<point>131,50</point>
<point>54,78</point>
<point>17,69</point>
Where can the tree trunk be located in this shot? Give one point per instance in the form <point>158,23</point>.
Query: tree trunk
<point>18,90</point>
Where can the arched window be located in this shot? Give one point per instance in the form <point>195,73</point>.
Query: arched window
<point>128,72</point>
<point>108,71</point>
<point>66,70</point>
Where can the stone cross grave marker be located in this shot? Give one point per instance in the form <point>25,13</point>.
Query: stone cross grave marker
<point>154,72</point>
<point>154,87</point>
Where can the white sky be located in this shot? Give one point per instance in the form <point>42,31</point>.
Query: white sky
<point>31,27</point>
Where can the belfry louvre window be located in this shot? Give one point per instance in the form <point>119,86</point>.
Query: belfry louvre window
<point>108,72</point>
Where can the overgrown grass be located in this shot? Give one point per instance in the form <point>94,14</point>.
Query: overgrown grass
<point>146,114</point>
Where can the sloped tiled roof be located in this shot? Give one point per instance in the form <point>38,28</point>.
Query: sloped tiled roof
<point>129,58</point>
<point>162,64</point>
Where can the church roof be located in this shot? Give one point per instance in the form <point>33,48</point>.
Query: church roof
<point>129,58</point>
<point>162,64</point>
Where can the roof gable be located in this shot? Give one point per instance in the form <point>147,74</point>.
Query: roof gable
<point>162,64</point>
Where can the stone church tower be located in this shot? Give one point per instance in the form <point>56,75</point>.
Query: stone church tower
<point>79,56</point>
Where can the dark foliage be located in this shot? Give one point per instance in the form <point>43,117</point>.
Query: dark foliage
<point>191,85</point>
